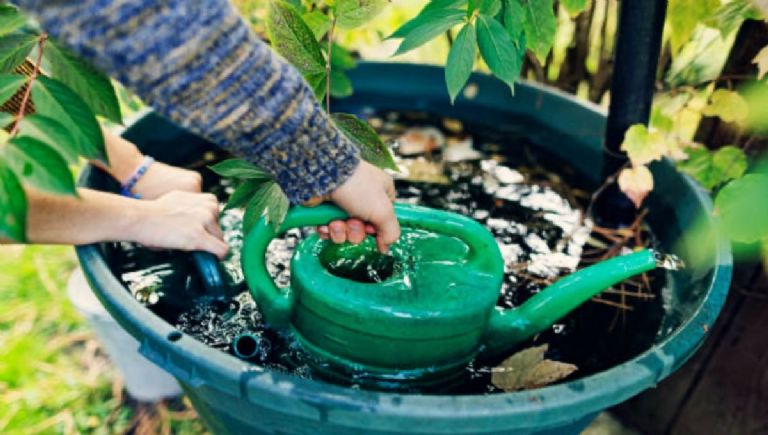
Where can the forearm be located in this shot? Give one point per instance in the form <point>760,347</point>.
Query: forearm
<point>123,157</point>
<point>91,218</point>
<point>198,63</point>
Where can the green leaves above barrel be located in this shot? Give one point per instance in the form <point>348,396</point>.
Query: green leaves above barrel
<point>44,138</point>
<point>500,29</point>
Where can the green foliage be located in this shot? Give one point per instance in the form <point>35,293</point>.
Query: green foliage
<point>55,100</point>
<point>461,58</point>
<point>294,40</point>
<point>743,208</point>
<point>372,149</point>
<point>318,22</point>
<point>540,25</point>
<point>52,133</point>
<point>643,146</point>
<point>10,19</point>
<point>514,18</point>
<point>237,168</point>
<point>684,16</point>
<point>268,200</point>
<point>428,10</point>
<point>9,85</point>
<point>341,85</point>
<point>574,7</point>
<point>487,7</point>
<point>727,105</point>
<point>93,86</point>
<point>39,165</point>
<point>354,13</point>
<point>13,203</point>
<point>14,48</point>
<point>427,25</point>
<point>498,50</point>
<point>713,168</point>
<point>730,15</point>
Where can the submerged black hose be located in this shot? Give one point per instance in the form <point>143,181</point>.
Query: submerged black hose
<point>248,346</point>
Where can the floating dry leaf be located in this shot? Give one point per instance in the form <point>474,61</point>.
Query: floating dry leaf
<point>528,369</point>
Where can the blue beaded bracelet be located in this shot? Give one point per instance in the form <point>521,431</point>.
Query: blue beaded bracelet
<point>127,187</point>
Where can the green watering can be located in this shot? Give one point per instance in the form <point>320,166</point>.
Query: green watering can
<point>432,312</point>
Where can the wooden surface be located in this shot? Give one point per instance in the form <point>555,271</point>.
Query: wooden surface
<point>723,389</point>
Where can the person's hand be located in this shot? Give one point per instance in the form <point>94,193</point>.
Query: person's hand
<point>367,197</point>
<point>161,179</point>
<point>180,220</point>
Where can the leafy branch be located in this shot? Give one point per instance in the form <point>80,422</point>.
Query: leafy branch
<point>31,81</point>
<point>41,146</point>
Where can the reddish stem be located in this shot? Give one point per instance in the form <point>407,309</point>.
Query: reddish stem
<point>40,44</point>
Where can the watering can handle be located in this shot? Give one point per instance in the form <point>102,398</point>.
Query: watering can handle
<point>277,304</point>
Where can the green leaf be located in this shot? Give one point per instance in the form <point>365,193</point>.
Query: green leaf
<point>488,7</point>
<point>574,7</point>
<point>341,58</point>
<point>684,16</point>
<point>429,25</point>
<point>55,100</point>
<point>10,19</point>
<point>429,9</point>
<point>52,133</point>
<point>643,146</point>
<point>5,119</point>
<point>743,209</point>
<point>316,81</point>
<point>498,50</point>
<point>40,165</point>
<point>318,22</point>
<point>514,18</point>
<point>372,149</point>
<point>341,86</point>
<point>540,25</point>
<point>244,193</point>
<point>712,169</point>
<point>730,162</point>
<point>294,40</point>
<point>238,168</point>
<point>268,200</point>
<point>9,85</point>
<point>93,86</point>
<point>727,105</point>
<point>461,58</point>
<point>354,13</point>
<point>14,49</point>
<point>13,205</point>
<point>730,16</point>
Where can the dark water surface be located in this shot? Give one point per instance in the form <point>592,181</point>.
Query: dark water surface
<point>531,203</point>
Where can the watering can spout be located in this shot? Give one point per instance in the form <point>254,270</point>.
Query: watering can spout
<point>509,327</point>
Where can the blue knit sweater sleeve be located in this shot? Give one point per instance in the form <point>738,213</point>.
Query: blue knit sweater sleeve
<point>199,64</point>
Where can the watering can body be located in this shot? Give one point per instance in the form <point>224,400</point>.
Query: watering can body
<point>424,322</point>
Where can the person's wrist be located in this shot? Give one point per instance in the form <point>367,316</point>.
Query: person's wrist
<point>136,217</point>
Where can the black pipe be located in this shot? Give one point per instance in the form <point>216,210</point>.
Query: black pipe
<point>248,346</point>
<point>638,45</point>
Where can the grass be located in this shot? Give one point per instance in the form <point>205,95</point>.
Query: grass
<point>54,376</point>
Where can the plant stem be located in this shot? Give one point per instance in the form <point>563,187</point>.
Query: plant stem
<point>328,67</point>
<point>40,44</point>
